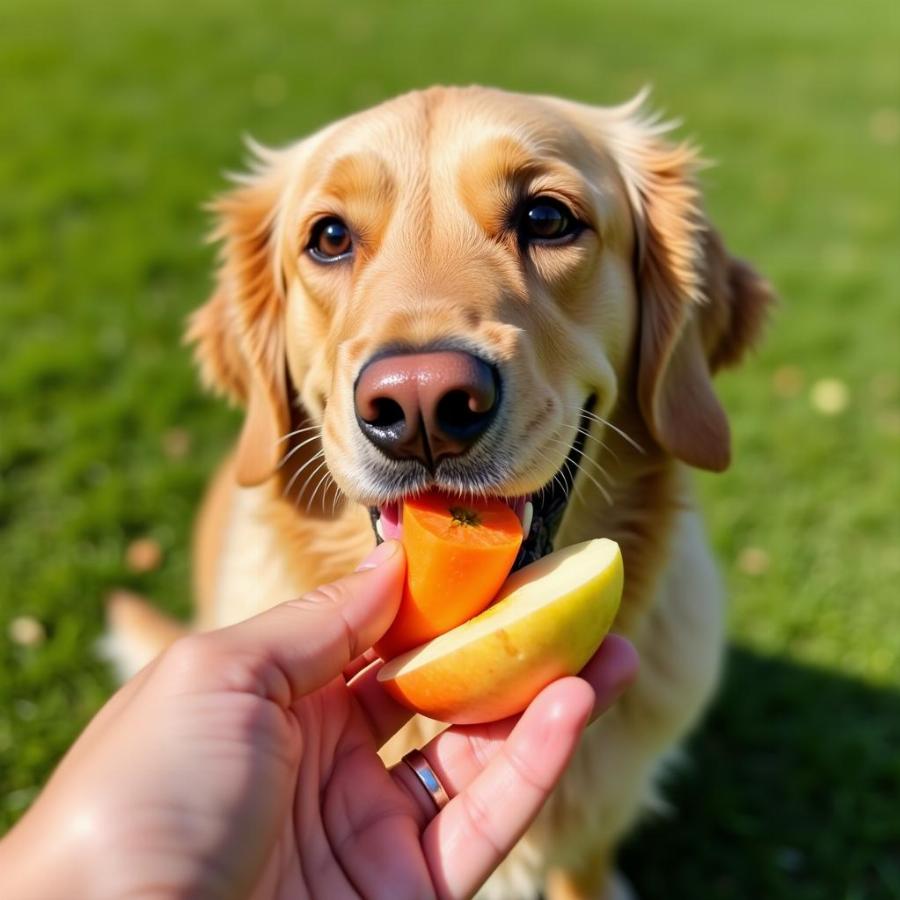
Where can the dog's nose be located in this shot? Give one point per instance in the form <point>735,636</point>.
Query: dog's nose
<point>426,406</point>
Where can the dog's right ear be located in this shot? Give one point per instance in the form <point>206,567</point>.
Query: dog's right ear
<point>238,334</point>
<point>700,307</point>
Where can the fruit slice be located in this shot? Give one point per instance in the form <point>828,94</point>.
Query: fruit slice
<point>549,619</point>
<point>458,554</point>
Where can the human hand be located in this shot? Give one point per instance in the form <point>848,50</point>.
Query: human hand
<point>244,762</point>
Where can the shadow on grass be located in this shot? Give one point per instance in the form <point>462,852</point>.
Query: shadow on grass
<point>792,791</point>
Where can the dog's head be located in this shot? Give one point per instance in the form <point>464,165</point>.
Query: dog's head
<point>452,288</point>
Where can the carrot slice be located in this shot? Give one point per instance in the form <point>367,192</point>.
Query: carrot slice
<point>458,554</point>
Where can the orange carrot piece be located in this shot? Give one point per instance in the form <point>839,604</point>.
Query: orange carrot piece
<point>458,554</point>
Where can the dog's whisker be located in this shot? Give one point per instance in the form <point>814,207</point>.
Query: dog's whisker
<point>602,473</point>
<point>585,472</point>
<point>532,468</point>
<point>598,418</point>
<point>609,479</point>
<point>568,485</point>
<point>558,477</point>
<point>338,495</point>
<point>593,462</point>
<point>592,437</point>
<point>325,476</point>
<point>291,434</point>
<point>588,459</point>
<point>577,491</point>
<point>287,491</point>
<point>618,431</point>
<point>307,480</point>
<point>293,450</point>
<point>607,496</point>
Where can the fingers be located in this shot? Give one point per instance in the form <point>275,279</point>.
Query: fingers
<point>385,715</point>
<point>609,671</point>
<point>481,824</point>
<point>298,646</point>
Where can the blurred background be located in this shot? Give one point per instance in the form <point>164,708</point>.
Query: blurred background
<point>118,121</point>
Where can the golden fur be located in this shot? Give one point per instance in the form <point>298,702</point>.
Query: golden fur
<point>640,313</point>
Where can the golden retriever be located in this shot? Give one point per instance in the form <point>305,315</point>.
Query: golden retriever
<point>550,267</point>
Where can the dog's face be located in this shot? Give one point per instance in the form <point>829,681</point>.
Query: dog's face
<point>450,288</point>
<point>450,222</point>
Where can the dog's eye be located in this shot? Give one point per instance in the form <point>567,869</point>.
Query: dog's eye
<point>545,220</point>
<point>331,240</point>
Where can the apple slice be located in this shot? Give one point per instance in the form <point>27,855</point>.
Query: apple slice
<point>547,621</point>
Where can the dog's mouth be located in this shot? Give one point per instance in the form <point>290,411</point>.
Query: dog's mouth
<point>540,512</point>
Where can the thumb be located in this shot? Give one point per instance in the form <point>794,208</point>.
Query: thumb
<point>299,646</point>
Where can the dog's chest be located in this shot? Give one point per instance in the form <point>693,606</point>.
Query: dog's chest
<point>271,554</point>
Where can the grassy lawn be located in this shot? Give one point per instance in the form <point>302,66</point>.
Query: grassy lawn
<point>117,120</point>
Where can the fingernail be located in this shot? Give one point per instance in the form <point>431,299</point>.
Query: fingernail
<point>382,553</point>
<point>612,696</point>
<point>619,666</point>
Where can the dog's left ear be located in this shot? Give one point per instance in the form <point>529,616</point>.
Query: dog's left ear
<point>700,308</point>
<point>238,334</point>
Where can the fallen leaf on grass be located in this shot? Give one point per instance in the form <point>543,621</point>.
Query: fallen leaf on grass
<point>829,396</point>
<point>144,555</point>
<point>27,631</point>
<point>787,381</point>
<point>753,561</point>
<point>176,443</point>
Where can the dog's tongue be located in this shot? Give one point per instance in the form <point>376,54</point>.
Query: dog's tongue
<point>390,520</point>
<point>387,520</point>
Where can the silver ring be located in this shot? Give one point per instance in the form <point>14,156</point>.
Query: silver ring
<point>416,761</point>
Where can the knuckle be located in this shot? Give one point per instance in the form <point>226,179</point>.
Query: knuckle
<point>210,662</point>
<point>328,600</point>
<point>325,595</point>
<point>349,638</point>
<point>192,654</point>
<point>480,750</point>
<point>480,821</point>
<point>525,771</point>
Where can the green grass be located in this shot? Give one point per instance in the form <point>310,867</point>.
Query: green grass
<point>117,120</point>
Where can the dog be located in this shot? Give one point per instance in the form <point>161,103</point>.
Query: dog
<point>492,293</point>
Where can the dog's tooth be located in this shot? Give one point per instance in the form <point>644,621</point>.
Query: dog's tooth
<point>379,528</point>
<point>527,517</point>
